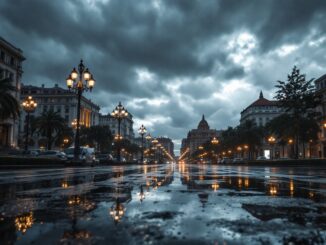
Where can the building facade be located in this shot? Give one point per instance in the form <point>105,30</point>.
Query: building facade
<point>167,144</point>
<point>126,127</point>
<point>261,111</point>
<point>61,101</point>
<point>197,137</point>
<point>320,147</point>
<point>11,59</point>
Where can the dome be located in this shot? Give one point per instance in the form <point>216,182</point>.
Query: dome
<point>203,125</point>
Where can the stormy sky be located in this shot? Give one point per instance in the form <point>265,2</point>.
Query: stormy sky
<point>170,61</point>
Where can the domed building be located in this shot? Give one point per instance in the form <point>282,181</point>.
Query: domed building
<point>198,136</point>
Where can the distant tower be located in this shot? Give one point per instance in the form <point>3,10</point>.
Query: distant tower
<point>261,96</point>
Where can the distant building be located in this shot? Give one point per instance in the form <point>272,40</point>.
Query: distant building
<point>199,136</point>
<point>62,101</point>
<point>11,59</point>
<point>261,111</point>
<point>126,127</point>
<point>320,149</point>
<point>167,144</point>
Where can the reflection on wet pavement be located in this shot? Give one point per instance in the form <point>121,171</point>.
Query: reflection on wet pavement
<point>163,204</point>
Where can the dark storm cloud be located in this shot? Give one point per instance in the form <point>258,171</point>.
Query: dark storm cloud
<point>178,51</point>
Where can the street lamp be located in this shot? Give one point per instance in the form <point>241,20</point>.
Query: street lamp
<point>119,113</point>
<point>271,141</point>
<point>215,142</point>
<point>29,105</point>
<point>78,82</point>
<point>239,149</point>
<point>142,131</point>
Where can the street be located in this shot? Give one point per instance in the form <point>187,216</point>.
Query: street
<point>163,204</point>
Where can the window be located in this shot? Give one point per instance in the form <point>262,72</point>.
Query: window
<point>59,109</point>
<point>67,118</point>
<point>2,55</point>
<point>12,61</point>
<point>45,108</point>
<point>66,109</point>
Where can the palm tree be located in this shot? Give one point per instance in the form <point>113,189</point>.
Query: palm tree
<point>9,106</point>
<point>49,125</point>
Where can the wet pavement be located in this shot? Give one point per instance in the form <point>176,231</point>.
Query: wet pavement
<point>164,204</point>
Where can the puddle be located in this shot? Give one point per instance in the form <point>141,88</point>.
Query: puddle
<point>164,204</point>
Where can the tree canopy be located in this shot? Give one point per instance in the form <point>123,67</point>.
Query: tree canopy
<point>9,106</point>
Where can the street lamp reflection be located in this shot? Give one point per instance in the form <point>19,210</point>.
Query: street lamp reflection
<point>273,190</point>
<point>141,194</point>
<point>64,184</point>
<point>24,222</point>
<point>117,211</point>
<point>215,186</point>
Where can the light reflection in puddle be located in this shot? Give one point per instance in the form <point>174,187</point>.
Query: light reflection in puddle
<point>184,202</point>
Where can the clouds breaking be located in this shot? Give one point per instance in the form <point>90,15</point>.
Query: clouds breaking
<point>170,61</point>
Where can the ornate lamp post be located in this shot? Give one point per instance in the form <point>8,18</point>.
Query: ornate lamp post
<point>29,106</point>
<point>78,82</point>
<point>119,113</point>
<point>271,141</point>
<point>142,131</point>
<point>215,142</point>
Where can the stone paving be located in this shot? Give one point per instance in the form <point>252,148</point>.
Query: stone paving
<point>164,204</point>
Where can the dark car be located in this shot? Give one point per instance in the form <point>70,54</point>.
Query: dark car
<point>104,157</point>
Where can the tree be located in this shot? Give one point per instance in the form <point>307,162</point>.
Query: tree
<point>126,146</point>
<point>251,135</point>
<point>247,134</point>
<point>49,125</point>
<point>9,106</point>
<point>65,137</point>
<point>297,97</point>
<point>97,136</point>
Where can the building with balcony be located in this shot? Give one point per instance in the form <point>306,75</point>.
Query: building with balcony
<point>320,147</point>
<point>126,127</point>
<point>261,111</point>
<point>11,59</point>
<point>62,101</point>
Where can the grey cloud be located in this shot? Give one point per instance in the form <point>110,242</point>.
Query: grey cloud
<point>182,40</point>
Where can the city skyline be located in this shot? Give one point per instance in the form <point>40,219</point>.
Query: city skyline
<point>170,62</point>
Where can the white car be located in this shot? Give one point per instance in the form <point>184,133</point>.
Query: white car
<point>53,154</point>
<point>261,158</point>
<point>87,154</point>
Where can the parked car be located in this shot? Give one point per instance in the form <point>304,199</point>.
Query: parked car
<point>238,160</point>
<point>226,160</point>
<point>87,154</point>
<point>53,154</point>
<point>261,158</point>
<point>104,157</point>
